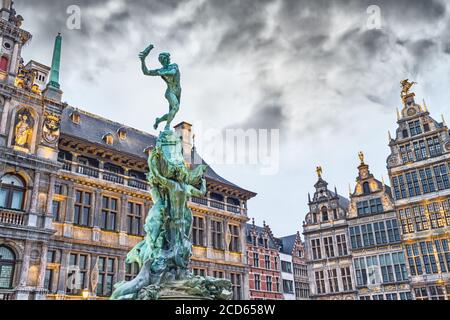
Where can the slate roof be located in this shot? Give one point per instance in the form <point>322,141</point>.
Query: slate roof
<point>287,243</point>
<point>93,128</point>
<point>259,231</point>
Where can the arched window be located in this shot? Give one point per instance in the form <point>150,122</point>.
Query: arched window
<point>366,188</point>
<point>7,264</point>
<point>324,214</point>
<point>4,64</point>
<point>12,192</point>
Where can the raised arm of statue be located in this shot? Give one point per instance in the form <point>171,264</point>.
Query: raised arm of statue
<point>143,55</point>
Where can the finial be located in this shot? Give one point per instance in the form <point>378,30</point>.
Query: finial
<point>443,120</point>
<point>398,114</point>
<point>425,108</point>
<point>406,87</point>
<point>319,171</point>
<point>264,223</point>
<point>193,140</point>
<point>309,197</point>
<point>389,136</point>
<point>349,189</point>
<point>361,157</point>
<point>382,180</point>
<point>253,221</point>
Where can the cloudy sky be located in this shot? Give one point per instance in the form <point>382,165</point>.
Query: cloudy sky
<point>312,69</point>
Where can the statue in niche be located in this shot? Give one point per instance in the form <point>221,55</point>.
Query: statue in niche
<point>23,130</point>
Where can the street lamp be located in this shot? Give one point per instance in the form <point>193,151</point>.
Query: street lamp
<point>85,294</point>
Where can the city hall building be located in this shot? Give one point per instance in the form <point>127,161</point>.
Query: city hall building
<point>74,195</point>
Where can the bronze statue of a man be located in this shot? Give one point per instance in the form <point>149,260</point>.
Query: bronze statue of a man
<point>171,75</point>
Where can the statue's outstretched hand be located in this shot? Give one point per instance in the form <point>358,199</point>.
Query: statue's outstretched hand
<point>146,52</point>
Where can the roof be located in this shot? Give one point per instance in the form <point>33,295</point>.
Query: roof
<point>343,201</point>
<point>93,128</point>
<point>288,243</point>
<point>260,231</point>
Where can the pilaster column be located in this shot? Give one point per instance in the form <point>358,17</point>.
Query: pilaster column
<point>123,213</point>
<point>208,231</point>
<point>14,60</point>
<point>50,194</point>
<point>43,265</point>
<point>226,235</point>
<point>5,116</point>
<point>121,269</point>
<point>35,192</point>
<point>70,203</point>
<point>25,265</point>
<point>63,273</point>
<point>95,222</point>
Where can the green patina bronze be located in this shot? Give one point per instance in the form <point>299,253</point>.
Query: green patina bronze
<point>164,254</point>
<point>56,63</point>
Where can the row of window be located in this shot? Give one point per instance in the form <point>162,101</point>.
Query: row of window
<point>422,181</point>
<point>301,290</point>
<point>329,249</point>
<point>429,257</point>
<point>300,270</point>
<point>327,281</point>
<point>377,233</point>
<point>432,293</point>
<point>419,218</point>
<point>384,268</point>
<point>267,261</point>
<point>216,234</point>
<point>421,150</point>
<point>271,284</point>
<point>388,296</point>
<point>371,206</point>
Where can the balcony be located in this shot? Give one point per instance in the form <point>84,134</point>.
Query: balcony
<point>12,217</point>
<point>105,175</point>
<point>219,205</point>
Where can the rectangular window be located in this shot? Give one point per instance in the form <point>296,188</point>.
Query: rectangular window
<point>329,248</point>
<point>320,282</point>
<point>316,250</point>
<point>255,259</point>
<point>421,293</point>
<point>346,279</point>
<point>387,271</point>
<point>437,292</point>
<point>77,275</point>
<point>218,274</point>
<point>367,235</point>
<point>392,230</point>
<point>48,281</point>
<point>406,220</point>
<point>134,219</point>
<point>398,259</point>
<point>380,233</point>
<point>415,128</point>
<point>257,282</point>
<point>286,266</point>
<point>341,244</point>
<point>267,262</point>
<point>83,208</point>
<point>355,237</point>
<point>420,218</point>
<point>108,213</point>
<point>269,283</point>
<point>217,234</point>
<point>56,211</point>
<point>360,271</point>
<point>236,285</point>
<point>198,230</point>
<point>333,281</point>
<point>106,274</point>
<point>288,286</point>
<point>235,239</point>
<point>131,271</point>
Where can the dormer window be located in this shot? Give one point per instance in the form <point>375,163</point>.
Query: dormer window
<point>122,133</point>
<point>75,117</point>
<point>366,188</point>
<point>108,139</point>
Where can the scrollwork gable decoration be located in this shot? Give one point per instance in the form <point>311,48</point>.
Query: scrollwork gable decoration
<point>51,128</point>
<point>24,123</point>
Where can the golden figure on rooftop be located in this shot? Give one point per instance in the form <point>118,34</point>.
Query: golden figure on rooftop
<point>319,171</point>
<point>361,157</point>
<point>406,87</point>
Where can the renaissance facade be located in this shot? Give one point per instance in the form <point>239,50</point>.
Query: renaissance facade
<point>418,167</point>
<point>74,195</point>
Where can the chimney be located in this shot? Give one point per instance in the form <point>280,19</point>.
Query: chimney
<point>184,130</point>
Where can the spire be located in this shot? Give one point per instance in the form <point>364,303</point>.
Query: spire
<point>389,136</point>
<point>398,114</point>
<point>425,108</point>
<point>56,63</point>
<point>349,189</point>
<point>443,120</point>
<point>309,197</point>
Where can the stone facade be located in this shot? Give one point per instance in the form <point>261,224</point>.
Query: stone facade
<point>418,167</point>
<point>379,261</point>
<point>330,267</point>
<point>74,195</point>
